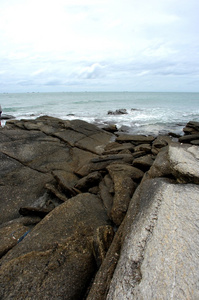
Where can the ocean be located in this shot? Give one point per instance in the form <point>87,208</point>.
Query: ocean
<point>147,113</point>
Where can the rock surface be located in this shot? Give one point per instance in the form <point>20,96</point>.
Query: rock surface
<point>159,256</point>
<point>76,198</point>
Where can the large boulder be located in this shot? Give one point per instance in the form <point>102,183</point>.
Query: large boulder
<point>56,259</point>
<point>159,257</point>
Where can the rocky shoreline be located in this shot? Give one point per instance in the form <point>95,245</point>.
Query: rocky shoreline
<point>87,213</point>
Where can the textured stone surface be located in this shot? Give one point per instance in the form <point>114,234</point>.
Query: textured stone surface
<point>184,161</point>
<point>159,258</point>
<point>135,138</point>
<point>55,260</point>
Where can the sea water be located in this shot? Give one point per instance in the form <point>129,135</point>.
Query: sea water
<point>147,113</point>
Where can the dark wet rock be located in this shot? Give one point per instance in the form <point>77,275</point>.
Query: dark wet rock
<point>88,181</point>
<point>174,135</point>
<point>121,111</point>
<point>110,128</point>
<point>135,139</point>
<point>188,138</point>
<point>144,163</point>
<point>191,127</point>
<point>101,162</point>
<point>61,245</point>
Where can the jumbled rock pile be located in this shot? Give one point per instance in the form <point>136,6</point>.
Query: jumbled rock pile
<point>67,190</point>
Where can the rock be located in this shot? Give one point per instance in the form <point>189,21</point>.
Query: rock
<point>159,143</point>
<point>191,127</point>
<point>22,179</point>
<point>188,138</point>
<point>36,152</point>
<point>33,211</point>
<point>55,192</point>
<point>135,139</point>
<point>88,181</point>
<point>106,190</point>
<point>101,162</point>
<point>12,231</point>
<point>61,246</point>
<point>184,161</point>
<point>161,166</point>
<point>101,242</point>
<point>159,255</point>
<point>144,163</point>
<point>143,147</point>
<point>123,177</point>
<point>125,170</point>
<point>65,182</point>
<point>110,128</point>
<point>121,111</point>
<point>100,286</point>
<point>195,142</point>
<point>114,148</point>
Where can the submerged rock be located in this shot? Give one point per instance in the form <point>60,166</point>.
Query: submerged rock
<point>121,111</point>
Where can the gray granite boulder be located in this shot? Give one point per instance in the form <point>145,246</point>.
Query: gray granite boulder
<point>159,257</point>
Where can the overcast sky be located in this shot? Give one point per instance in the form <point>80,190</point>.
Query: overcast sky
<point>99,45</point>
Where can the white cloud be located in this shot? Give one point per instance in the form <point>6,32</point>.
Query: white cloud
<point>63,41</point>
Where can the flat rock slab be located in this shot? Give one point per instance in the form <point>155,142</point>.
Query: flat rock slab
<point>135,138</point>
<point>159,257</point>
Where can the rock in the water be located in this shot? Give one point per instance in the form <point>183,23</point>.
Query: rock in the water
<point>191,127</point>
<point>121,111</point>
<point>189,138</point>
<point>159,258</point>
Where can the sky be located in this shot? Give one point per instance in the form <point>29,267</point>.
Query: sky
<point>99,45</point>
